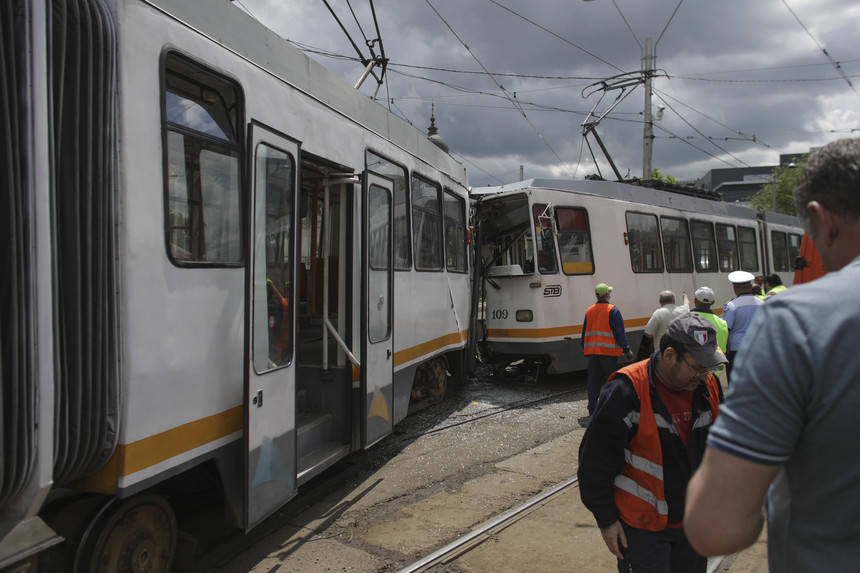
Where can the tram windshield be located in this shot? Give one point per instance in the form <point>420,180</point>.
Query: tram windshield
<point>507,243</point>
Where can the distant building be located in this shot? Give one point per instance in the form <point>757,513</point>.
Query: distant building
<point>739,184</point>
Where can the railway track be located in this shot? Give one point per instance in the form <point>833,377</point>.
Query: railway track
<point>460,546</point>
<point>214,552</point>
<point>492,527</point>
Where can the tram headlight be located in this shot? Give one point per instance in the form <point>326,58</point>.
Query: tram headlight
<point>524,316</point>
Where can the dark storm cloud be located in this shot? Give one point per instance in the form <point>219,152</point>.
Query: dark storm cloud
<point>728,65</point>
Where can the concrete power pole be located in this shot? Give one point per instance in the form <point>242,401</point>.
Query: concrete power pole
<point>648,131</point>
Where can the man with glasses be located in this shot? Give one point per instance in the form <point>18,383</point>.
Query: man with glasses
<point>645,439</point>
<point>788,429</point>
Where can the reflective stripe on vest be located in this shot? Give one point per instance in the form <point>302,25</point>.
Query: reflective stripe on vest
<point>598,337</point>
<point>639,489</point>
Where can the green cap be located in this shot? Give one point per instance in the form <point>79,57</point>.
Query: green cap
<point>602,289</point>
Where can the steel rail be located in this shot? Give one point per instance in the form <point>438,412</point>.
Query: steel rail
<point>456,548</point>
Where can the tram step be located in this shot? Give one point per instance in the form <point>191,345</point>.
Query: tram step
<point>314,431</point>
<point>320,459</point>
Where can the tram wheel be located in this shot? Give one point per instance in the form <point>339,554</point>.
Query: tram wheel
<point>136,535</point>
<point>438,379</point>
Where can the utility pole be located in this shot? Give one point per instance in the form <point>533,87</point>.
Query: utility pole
<point>648,131</point>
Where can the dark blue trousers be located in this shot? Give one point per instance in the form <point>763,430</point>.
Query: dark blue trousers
<point>599,369</point>
<point>666,551</point>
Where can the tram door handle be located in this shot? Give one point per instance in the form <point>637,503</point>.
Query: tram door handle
<point>258,399</point>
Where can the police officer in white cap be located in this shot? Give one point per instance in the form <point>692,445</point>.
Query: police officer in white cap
<point>738,312</point>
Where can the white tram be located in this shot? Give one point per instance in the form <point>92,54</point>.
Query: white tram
<point>545,244</point>
<point>224,267</point>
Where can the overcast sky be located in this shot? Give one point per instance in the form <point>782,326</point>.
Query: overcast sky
<point>741,81</point>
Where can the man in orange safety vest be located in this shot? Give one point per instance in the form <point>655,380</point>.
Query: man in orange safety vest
<point>643,443</point>
<point>603,342</point>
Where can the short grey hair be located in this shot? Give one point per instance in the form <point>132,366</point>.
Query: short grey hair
<point>667,297</point>
<point>831,177</point>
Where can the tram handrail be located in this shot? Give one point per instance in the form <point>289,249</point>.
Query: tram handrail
<point>329,327</point>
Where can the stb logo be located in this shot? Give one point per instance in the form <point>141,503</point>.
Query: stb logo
<point>552,290</point>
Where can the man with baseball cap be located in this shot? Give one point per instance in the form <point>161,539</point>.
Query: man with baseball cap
<point>703,299</point>
<point>646,438</point>
<point>603,342</point>
<point>739,312</point>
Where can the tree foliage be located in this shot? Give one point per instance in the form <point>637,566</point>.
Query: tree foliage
<point>657,176</point>
<point>787,178</point>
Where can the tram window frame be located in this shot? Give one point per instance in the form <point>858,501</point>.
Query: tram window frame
<point>454,216</point>
<point>747,249</point>
<point>547,261</point>
<point>382,165</point>
<point>576,267</point>
<point>676,243</point>
<point>794,241</point>
<point>653,231</point>
<point>779,250</point>
<point>733,254</point>
<point>274,349</point>
<point>196,152</point>
<point>706,239</point>
<point>429,252</point>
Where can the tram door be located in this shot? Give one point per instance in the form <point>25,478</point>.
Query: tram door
<point>270,380</point>
<point>377,364</point>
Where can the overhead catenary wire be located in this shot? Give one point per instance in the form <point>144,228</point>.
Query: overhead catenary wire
<point>691,126</point>
<point>499,85</point>
<point>523,104</point>
<point>527,108</point>
<point>548,31</point>
<point>820,47</point>
<point>752,138</point>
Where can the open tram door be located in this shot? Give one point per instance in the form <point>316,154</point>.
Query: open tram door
<point>377,308</point>
<point>270,374</point>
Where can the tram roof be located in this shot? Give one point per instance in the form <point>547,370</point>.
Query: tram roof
<point>673,196</point>
<point>241,34</point>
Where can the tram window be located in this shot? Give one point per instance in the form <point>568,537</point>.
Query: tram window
<point>543,239</point>
<point>455,232</point>
<point>793,247</point>
<point>779,248</point>
<point>427,224</point>
<point>704,246</point>
<point>274,177</point>
<point>676,245</point>
<point>202,147</point>
<point>643,236</point>
<point>574,241</point>
<point>749,255</point>
<point>397,173</point>
<point>379,277</point>
<point>727,247</point>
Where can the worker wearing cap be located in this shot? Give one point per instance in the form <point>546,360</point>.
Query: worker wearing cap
<point>703,299</point>
<point>738,312</point>
<point>643,443</point>
<point>603,342</point>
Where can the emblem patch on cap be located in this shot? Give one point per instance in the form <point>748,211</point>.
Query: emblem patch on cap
<point>701,336</point>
